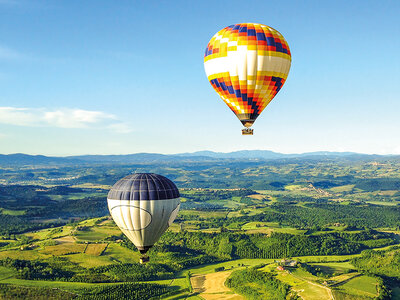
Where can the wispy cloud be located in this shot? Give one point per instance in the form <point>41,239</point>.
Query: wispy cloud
<point>10,54</point>
<point>120,127</point>
<point>75,118</point>
<point>62,118</point>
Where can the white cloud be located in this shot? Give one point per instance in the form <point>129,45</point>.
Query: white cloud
<point>62,118</point>
<point>18,116</point>
<point>75,118</point>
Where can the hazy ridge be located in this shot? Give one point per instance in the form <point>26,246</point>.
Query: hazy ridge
<point>24,159</point>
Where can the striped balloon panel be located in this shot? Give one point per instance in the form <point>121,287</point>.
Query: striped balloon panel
<point>247,64</point>
<point>144,186</point>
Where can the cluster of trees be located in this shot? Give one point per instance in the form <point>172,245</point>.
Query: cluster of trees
<point>201,206</point>
<point>295,199</point>
<point>55,268</point>
<point>87,207</point>
<point>61,269</point>
<point>134,291</point>
<point>383,262</point>
<point>36,270</point>
<point>378,184</point>
<point>136,272</point>
<point>384,265</point>
<point>206,195</point>
<point>19,197</point>
<point>318,215</point>
<point>11,291</point>
<point>314,216</point>
<point>229,245</point>
<point>10,225</point>
<point>254,284</point>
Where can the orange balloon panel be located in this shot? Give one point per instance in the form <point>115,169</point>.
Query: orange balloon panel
<point>247,64</point>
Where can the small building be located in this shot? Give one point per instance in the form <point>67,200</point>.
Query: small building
<point>280,268</point>
<point>288,262</point>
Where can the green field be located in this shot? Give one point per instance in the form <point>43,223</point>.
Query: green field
<point>10,212</point>
<point>97,233</point>
<point>325,258</point>
<point>64,248</point>
<point>18,254</point>
<point>203,214</point>
<point>257,225</point>
<point>360,286</point>
<point>50,233</point>
<point>233,264</point>
<point>383,203</point>
<point>269,227</point>
<point>6,273</point>
<point>121,254</point>
<point>342,188</point>
<point>312,291</point>
<point>89,261</point>
<point>334,268</point>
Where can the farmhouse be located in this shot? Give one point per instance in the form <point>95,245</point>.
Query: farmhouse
<point>288,263</point>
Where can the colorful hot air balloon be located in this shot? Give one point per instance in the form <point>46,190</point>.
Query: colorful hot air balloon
<point>247,64</point>
<point>144,205</point>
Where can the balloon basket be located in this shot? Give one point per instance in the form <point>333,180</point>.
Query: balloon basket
<point>144,259</point>
<point>247,131</point>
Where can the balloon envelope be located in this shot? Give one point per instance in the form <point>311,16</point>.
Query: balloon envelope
<point>247,64</point>
<point>144,205</point>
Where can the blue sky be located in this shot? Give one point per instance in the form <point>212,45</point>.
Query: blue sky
<point>117,77</point>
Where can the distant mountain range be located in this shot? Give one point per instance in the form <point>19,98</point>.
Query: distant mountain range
<point>25,159</point>
<point>262,154</point>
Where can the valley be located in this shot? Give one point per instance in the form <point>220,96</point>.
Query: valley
<point>307,228</point>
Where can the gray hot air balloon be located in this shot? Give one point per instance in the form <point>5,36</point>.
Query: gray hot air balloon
<point>144,205</point>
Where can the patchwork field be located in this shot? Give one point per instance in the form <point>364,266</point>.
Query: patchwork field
<point>212,286</point>
<point>64,249</point>
<point>95,249</point>
<point>313,208</point>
